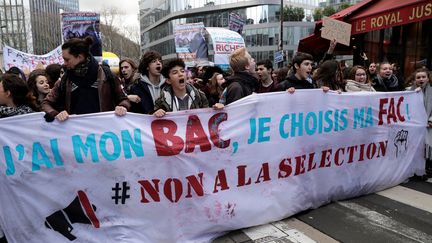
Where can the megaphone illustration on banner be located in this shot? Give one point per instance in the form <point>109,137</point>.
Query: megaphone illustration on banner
<point>80,210</point>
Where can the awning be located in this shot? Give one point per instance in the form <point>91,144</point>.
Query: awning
<point>370,15</point>
<point>342,15</point>
<point>314,44</point>
<point>388,13</point>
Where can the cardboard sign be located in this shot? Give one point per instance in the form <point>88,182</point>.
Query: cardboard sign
<point>336,30</point>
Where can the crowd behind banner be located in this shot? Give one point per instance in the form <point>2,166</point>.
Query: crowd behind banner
<point>81,85</point>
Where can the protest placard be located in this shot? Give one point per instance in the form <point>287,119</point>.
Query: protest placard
<point>224,43</point>
<point>236,23</point>
<point>81,25</point>
<point>336,30</point>
<point>190,43</point>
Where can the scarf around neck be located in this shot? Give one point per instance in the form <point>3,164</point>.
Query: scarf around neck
<point>6,111</point>
<point>82,68</point>
<point>390,82</point>
<point>84,74</point>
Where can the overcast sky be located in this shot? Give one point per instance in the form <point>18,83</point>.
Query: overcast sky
<point>128,7</point>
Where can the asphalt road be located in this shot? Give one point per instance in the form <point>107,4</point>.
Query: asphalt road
<point>399,214</point>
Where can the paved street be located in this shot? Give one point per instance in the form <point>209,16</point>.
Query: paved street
<point>399,214</point>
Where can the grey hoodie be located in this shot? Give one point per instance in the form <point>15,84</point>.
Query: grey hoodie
<point>155,90</point>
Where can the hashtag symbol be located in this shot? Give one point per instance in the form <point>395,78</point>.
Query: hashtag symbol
<point>124,193</point>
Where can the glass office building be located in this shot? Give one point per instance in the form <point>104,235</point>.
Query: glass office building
<point>69,5</point>
<point>13,28</point>
<point>33,26</point>
<point>261,32</point>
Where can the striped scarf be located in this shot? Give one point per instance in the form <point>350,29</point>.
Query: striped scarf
<point>6,111</point>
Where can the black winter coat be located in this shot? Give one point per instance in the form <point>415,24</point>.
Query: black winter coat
<point>293,82</point>
<point>240,85</point>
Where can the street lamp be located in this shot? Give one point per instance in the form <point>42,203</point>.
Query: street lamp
<point>280,47</point>
<point>1,32</point>
<point>1,46</point>
<point>2,35</point>
<point>281,27</point>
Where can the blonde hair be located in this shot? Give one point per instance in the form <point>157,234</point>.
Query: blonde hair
<point>238,60</point>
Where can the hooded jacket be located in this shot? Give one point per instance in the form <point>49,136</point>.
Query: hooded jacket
<point>240,85</point>
<point>168,102</point>
<point>148,93</point>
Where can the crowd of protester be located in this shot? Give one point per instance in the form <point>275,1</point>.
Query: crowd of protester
<point>81,85</point>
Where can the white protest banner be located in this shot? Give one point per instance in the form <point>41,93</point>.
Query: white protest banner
<point>192,175</point>
<point>23,61</point>
<point>224,43</point>
<point>336,30</point>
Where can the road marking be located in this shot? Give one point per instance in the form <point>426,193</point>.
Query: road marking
<point>304,229</point>
<point>263,231</point>
<point>388,223</point>
<point>270,232</point>
<point>409,197</point>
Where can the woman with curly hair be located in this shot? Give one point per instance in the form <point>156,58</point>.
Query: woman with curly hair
<point>38,85</point>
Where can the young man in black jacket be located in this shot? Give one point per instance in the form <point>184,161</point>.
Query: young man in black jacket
<point>243,82</point>
<point>301,79</point>
<point>149,83</point>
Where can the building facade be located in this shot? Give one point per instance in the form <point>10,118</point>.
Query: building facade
<point>397,31</point>
<point>336,3</point>
<point>261,32</point>
<point>69,5</point>
<point>33,26</point>
<point>13,28</point>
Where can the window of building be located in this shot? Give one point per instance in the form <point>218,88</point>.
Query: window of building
<point>407,45</point>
